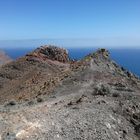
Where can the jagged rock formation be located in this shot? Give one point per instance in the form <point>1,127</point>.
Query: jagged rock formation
<point>49,98</point>
<point>50,52</point>
<point>4,58</point>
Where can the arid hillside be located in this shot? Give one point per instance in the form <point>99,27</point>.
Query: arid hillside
<point>47,96</point>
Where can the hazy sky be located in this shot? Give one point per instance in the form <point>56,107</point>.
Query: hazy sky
<point>103,22</point>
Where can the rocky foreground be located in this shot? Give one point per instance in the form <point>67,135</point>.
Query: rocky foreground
<point>47,96</point>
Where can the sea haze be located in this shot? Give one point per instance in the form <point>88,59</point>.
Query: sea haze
<point>128,58</point>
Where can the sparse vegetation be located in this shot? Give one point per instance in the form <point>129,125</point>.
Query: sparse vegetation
<point>116,94</point>
<point>11,103</point>
<point>30,102</point>
<point>39,100</point>
<point>101,90</point>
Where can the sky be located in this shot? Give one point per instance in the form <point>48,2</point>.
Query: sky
<point>92,22</point>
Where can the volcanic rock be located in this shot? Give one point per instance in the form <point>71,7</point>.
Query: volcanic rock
<point>50,52</point>
<point>59,99</point>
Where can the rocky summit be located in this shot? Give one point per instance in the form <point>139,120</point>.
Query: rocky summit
<point>50,52</point>
<point>47,96</point>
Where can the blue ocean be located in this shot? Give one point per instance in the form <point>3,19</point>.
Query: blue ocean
<point>128,58</point>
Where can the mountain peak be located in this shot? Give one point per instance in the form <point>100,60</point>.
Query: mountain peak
<point>50,52</point>
<point>101,54</point>
<point>103,51</point>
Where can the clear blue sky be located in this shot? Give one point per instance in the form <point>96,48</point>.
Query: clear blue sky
<point>105,20</point>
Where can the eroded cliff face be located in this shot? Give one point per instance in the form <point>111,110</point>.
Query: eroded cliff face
<point>45,95</point>
<point>4,58</point>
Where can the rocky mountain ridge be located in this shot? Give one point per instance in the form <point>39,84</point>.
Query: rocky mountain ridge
<point>46,95</point>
